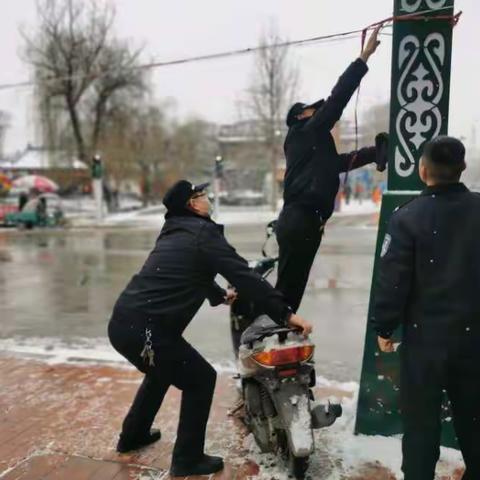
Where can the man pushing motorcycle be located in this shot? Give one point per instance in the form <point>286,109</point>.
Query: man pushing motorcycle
<point>151,314</point>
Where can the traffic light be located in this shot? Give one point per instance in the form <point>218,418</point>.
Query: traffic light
<point>97,167</point>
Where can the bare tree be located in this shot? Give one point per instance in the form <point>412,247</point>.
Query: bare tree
<point>146,144</point>
<point>137,146</point>
<point>194,147</point>
<point>76,60</point>
<point>118,62</point>
<point>271,92</point>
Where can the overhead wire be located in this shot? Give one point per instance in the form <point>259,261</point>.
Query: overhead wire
<point>347,35</point>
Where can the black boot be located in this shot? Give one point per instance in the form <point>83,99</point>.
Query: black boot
<point>205,466</point>
<point>125,445</point>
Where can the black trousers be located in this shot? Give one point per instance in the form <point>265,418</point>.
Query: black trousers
<point>426,372</point>
<point>176,363</point>
<point>299,234</point>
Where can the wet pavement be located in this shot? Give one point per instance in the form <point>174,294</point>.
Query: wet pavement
<point>60,286</point>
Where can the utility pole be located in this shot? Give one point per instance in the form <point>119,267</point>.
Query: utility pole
<point>420,87</point>
<point>217,175</point>
<point>97,185</point>
<point>275,156</point>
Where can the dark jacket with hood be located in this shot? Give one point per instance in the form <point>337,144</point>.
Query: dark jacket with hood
<point>313,163</point>
<point>179,274</point>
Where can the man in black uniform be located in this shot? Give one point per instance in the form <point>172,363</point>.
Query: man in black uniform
<point>158,304</point>
<point>429,282</point>
<point>312,177</point>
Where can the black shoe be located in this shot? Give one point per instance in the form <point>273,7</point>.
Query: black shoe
<point>206,466</point>
<point>126,445</point>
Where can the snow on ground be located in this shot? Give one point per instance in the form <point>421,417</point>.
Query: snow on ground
<point>77,350</point>
<point>338,451</point>
<point>86,205</point>
<point>154,216</point>
<point>358,208</point>
<point>55,350</point>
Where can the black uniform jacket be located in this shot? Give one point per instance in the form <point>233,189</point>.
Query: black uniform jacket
<point>313,163</point>
<point>179,275</point>
<point>429,272</point>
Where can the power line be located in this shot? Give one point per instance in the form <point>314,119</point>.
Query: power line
<point>232,53</point>
<point>327,39</point>
<point>198,58</point>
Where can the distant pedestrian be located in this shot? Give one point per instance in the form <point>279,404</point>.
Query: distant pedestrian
<point>41,210</point>
<point>376,195</point>
<point>359,189</point>
<point>22,200</point>
<point>348,193</point>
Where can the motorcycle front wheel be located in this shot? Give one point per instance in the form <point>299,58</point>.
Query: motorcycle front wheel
<point>298,466</point>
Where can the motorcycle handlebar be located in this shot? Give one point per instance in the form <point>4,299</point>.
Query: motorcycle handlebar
<point>265,265</point>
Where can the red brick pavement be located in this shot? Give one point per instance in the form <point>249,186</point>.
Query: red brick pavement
<point>62,422</point>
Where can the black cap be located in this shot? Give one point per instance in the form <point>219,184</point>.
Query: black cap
<point>180,193</point>
<point>297,108</point>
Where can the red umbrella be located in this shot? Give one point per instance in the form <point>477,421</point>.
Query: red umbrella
<point>36,182</point>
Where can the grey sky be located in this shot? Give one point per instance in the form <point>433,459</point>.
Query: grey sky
<point>188,27</point>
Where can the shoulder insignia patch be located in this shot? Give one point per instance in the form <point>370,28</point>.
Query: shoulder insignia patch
<point>386,245</point>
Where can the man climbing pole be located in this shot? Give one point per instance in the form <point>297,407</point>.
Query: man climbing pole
<point>312,176</point>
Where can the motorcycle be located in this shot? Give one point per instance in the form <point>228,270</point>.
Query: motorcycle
<point>276,370</point>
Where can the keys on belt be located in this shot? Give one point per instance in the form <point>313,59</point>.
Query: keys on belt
<point>147,353</point>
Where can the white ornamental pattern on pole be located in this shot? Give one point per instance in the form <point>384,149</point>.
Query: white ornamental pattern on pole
<point>419,91</point>
<point>411,7</point>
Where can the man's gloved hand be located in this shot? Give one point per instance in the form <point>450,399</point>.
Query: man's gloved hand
<point>231,296</point>
<point>381,154</point>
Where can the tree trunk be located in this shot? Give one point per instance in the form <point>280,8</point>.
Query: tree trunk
<point>77,130</point>
<point>99,115</point>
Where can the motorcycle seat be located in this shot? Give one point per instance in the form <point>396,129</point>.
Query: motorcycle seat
<point>263,327</point>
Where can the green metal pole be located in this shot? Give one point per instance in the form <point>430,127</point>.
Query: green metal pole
<point>420,86</point>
